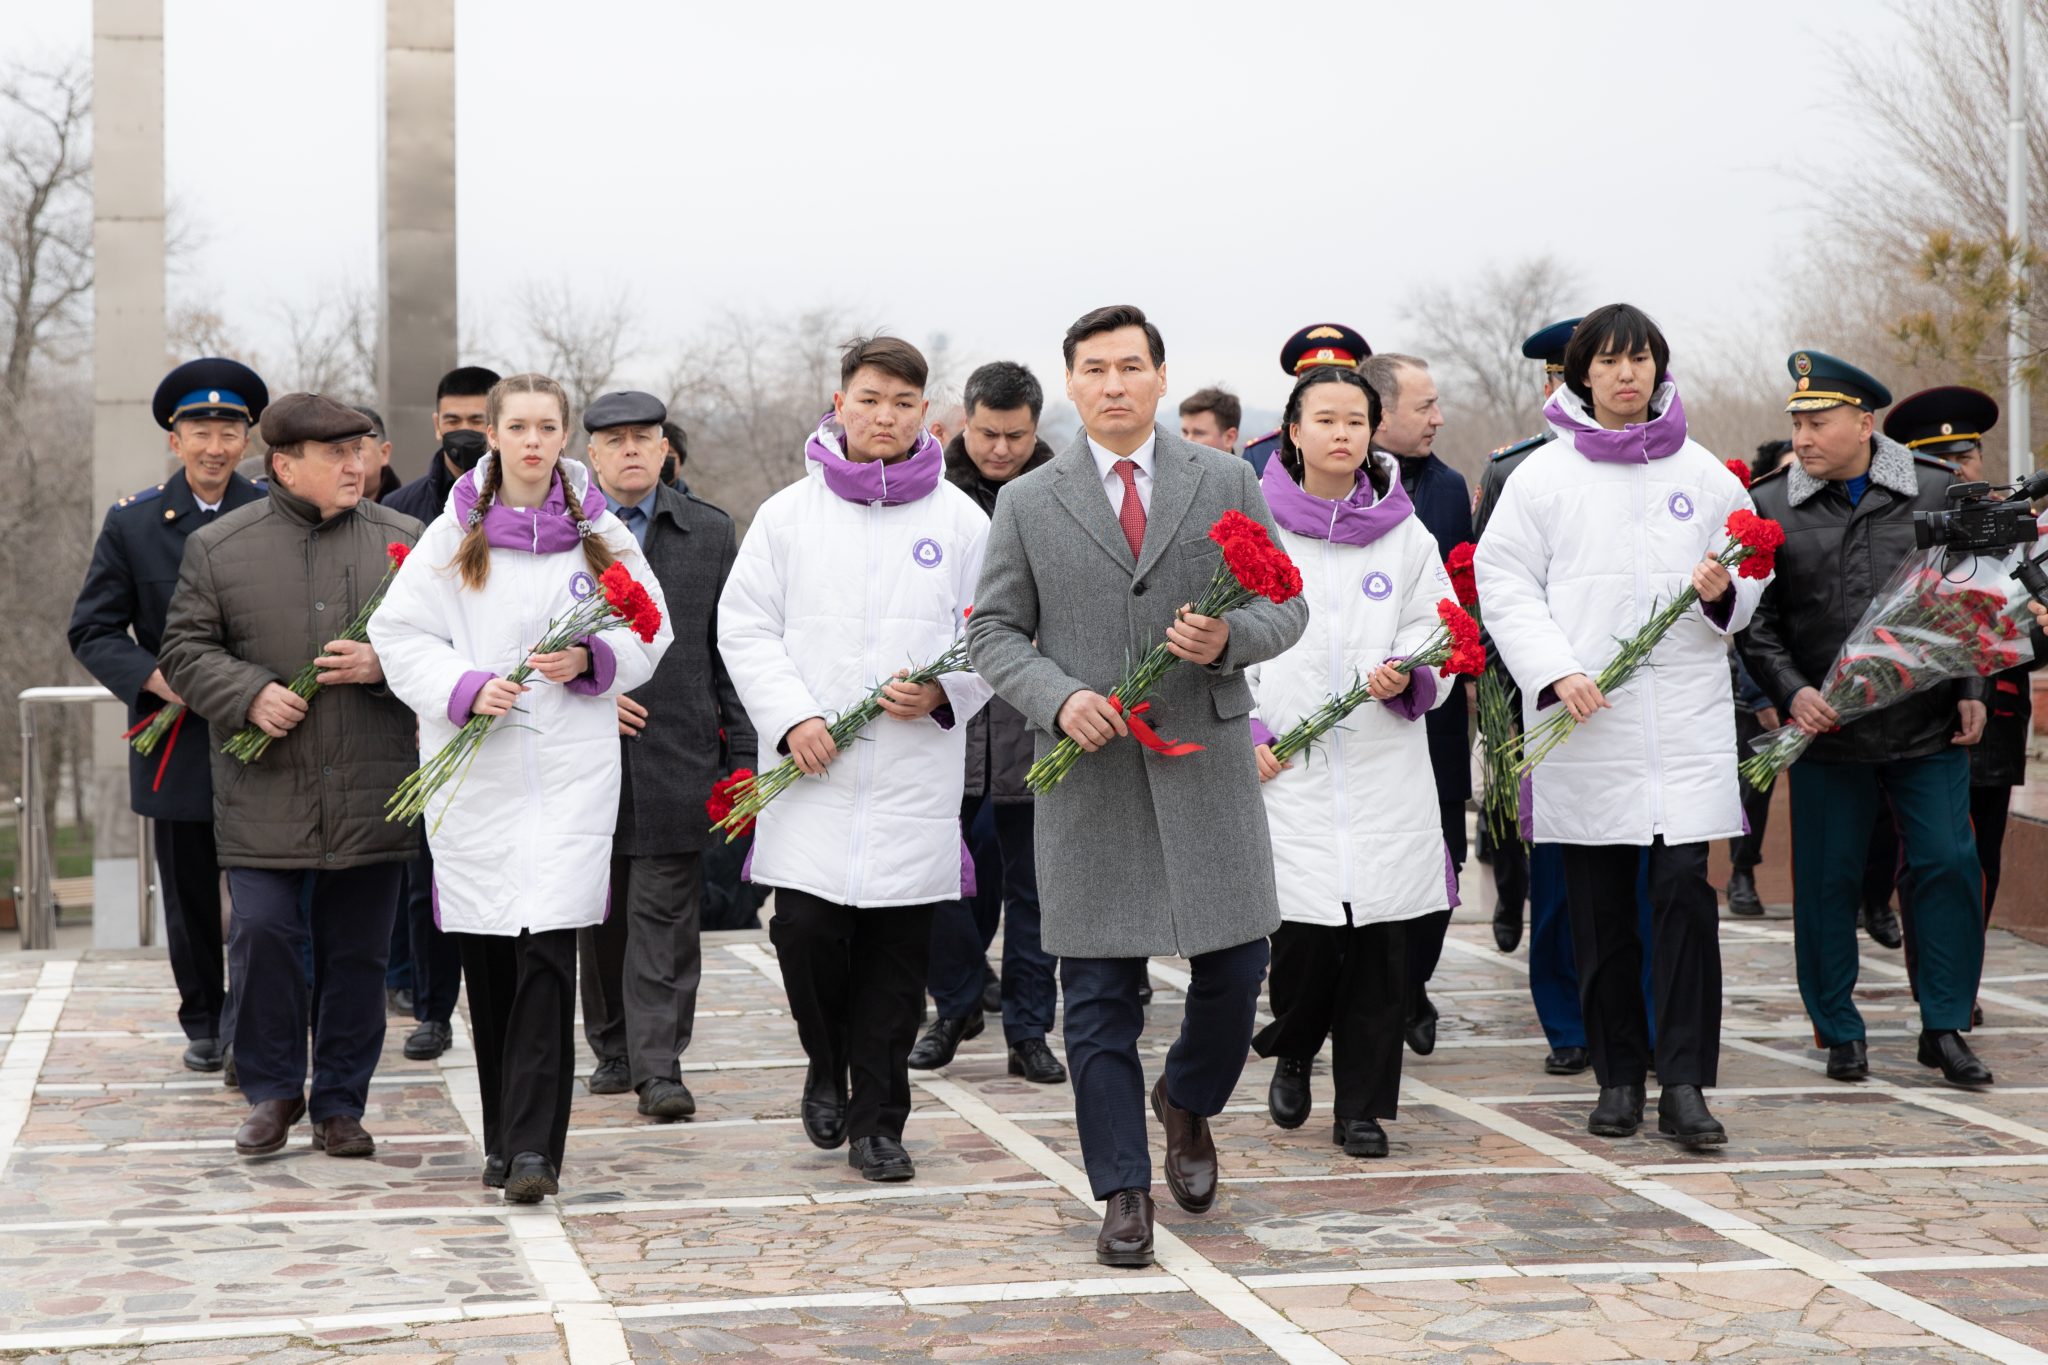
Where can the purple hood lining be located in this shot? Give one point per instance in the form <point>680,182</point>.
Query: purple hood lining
<point>1358,520</point>
<point>547,529</point>
<point>1637,443</point>
<point>872,481</point>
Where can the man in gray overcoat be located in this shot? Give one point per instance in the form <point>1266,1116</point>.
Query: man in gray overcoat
<point>1091,561</point>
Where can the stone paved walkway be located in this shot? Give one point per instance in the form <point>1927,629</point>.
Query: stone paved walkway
<point>1893,1221</point>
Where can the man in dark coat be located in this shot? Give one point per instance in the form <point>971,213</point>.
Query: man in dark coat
<point>1847,505</point>
<point>641,967</point>
<point>998,443</point>
<point>117,626</point>
<point>1410,417</point>
<point>459,407</point>
<point>302,831</point>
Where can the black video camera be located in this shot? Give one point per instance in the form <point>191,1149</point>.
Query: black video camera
<point>1976,522</point>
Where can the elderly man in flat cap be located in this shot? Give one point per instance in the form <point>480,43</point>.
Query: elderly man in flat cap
<point>641,967</point>
<point>261,591</point>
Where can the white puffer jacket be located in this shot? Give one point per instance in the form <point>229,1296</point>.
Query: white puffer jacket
<point>829,597</point>
<point>1594,532</point>
<point>525,841</point>
<point>1355,820</point>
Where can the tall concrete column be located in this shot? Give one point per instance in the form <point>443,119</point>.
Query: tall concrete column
<point>128,359</point>
<point>416,328</point>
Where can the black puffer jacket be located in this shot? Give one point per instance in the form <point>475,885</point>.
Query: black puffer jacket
<point>1837,554</point>
<point>998,741</point>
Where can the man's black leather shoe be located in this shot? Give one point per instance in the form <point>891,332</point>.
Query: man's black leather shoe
<point>1742,897</point>
<point>943,1039</point>
<point>1849,1061</point>
<point>494,1172</point>
<point>880,1158</point>
<point>1287,1096</point>
<point>1567,1061</point>
<point>1421,1029</point>
<point>1882,923</point>
<point>530,1178</point>
<point>1682,1113</point>
<point>611,1076</point>
<point>428,1041</point>
<point>1033,1060</point>
<point>1619,1112</point>
<point>1126,1236</point>
<point>1946,1049</point>
<point>1360,1137</point>
<point>824,1108</point>
<point>664,1099</point>
<point>1507,926</point>
<point>203,1054</point>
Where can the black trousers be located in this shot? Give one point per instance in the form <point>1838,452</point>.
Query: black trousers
<point>1685,965</point>
<point>855,982</point>
<point>522,1015</point>
<point>642,966</point>
<point>436,960</point>
<point>348,918</point>
<point>188,872</point>
<point>1103,1023</point>
<point>1344,983</point>
<point>1747,850</point>
<point>960,937</point>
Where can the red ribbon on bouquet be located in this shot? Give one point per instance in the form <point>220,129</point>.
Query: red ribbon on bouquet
<point>1148,736</point>
<point>170,741</point>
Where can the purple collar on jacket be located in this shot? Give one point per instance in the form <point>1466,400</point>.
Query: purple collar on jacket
<point>547,529</point>
<point>1636,443</point>
<point>1358,520</point>
<point>871,481</point>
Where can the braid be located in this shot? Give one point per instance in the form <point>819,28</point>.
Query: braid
<point>473,556</point>
<point>596,553</point>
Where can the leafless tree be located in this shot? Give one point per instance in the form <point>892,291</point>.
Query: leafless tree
<point>45,217</point>
<point>581,344</point>
<point>1471,335</point>
<point>330,346</point>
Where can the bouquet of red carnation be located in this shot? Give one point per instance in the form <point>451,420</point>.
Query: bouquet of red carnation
<point>250,742</point>
<point>720,803</point>
<point>1924,628</point>
<point>1464,580</point>
<point>167,720</point>
<point>1752,551</point>
<point>1454,646</point>
<point>1252,566</point>
<point>1739,470</point>
<point>623,599</point>
<point>743,801</point>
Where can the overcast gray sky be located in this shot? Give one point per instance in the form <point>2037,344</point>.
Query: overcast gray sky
<point>992,171</point>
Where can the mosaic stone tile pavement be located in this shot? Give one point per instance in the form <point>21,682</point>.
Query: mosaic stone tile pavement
<point>1897,1220</point>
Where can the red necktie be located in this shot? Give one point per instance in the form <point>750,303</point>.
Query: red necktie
<point>1131,516</point>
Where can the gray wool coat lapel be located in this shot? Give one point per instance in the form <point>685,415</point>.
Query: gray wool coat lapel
<point>1080,490</point>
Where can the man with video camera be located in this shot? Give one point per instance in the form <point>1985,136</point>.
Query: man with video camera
<point>1847,504</point>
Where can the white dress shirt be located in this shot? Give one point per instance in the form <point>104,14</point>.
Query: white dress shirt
<point>1113,483</point>
<point>206,506</point>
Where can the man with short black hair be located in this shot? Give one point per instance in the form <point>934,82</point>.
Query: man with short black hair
<point>1210,417</point>
<point>459,411</point>
<point>998,443</point>
<point>1093,558</point>
<point>384,480</point>
<point>1410,417</point>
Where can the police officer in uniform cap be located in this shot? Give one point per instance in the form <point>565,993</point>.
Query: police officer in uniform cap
<point>207,407</point>
<point>1321,343</point>
<point>1847,505</point>
<point>1949,424</point>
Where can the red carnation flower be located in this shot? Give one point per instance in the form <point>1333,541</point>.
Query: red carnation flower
<point>396,552</point>
<point>1761,537</point>
<point>719,804</point>
<point>1254,561</point>
<point>1464,582</point>
<point>1739,470</point>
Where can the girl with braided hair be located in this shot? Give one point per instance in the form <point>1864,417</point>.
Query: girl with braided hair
<point>523,849</point>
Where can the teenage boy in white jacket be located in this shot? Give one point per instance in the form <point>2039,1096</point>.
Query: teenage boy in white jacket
<point>857,573</point>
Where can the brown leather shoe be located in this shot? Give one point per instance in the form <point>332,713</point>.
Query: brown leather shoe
<point>342,1135</point>
<point>268,1126</point>
<point>1126,1236</point>
<point>1190,1153</point>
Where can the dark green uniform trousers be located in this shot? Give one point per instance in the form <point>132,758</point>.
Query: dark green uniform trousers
<point>1833,808</point>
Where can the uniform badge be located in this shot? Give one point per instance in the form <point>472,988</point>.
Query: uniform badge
<point>1804,383</point>
<point>1378,586</point>
<point>582,585</point>
<point>1802,365</point>
<point>169,514</point>
<point>1680,505</point>
<point>927,553</point>
<point>1948,428</point>
<point>1325,334</point>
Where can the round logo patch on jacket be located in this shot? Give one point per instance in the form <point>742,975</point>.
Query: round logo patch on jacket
<point>1378,586</point>
<point>927,553</point>
<point>1680,505</point>
<point>582,585</point>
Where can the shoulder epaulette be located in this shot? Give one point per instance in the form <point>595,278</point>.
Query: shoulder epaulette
<point>1272,435</point>
<point>1929,462</point>
<point>1518,447</point>
<point>146,495</point>
<point>1777,473</point>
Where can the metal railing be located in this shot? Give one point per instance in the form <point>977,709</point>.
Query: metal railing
<point>35,901</point>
